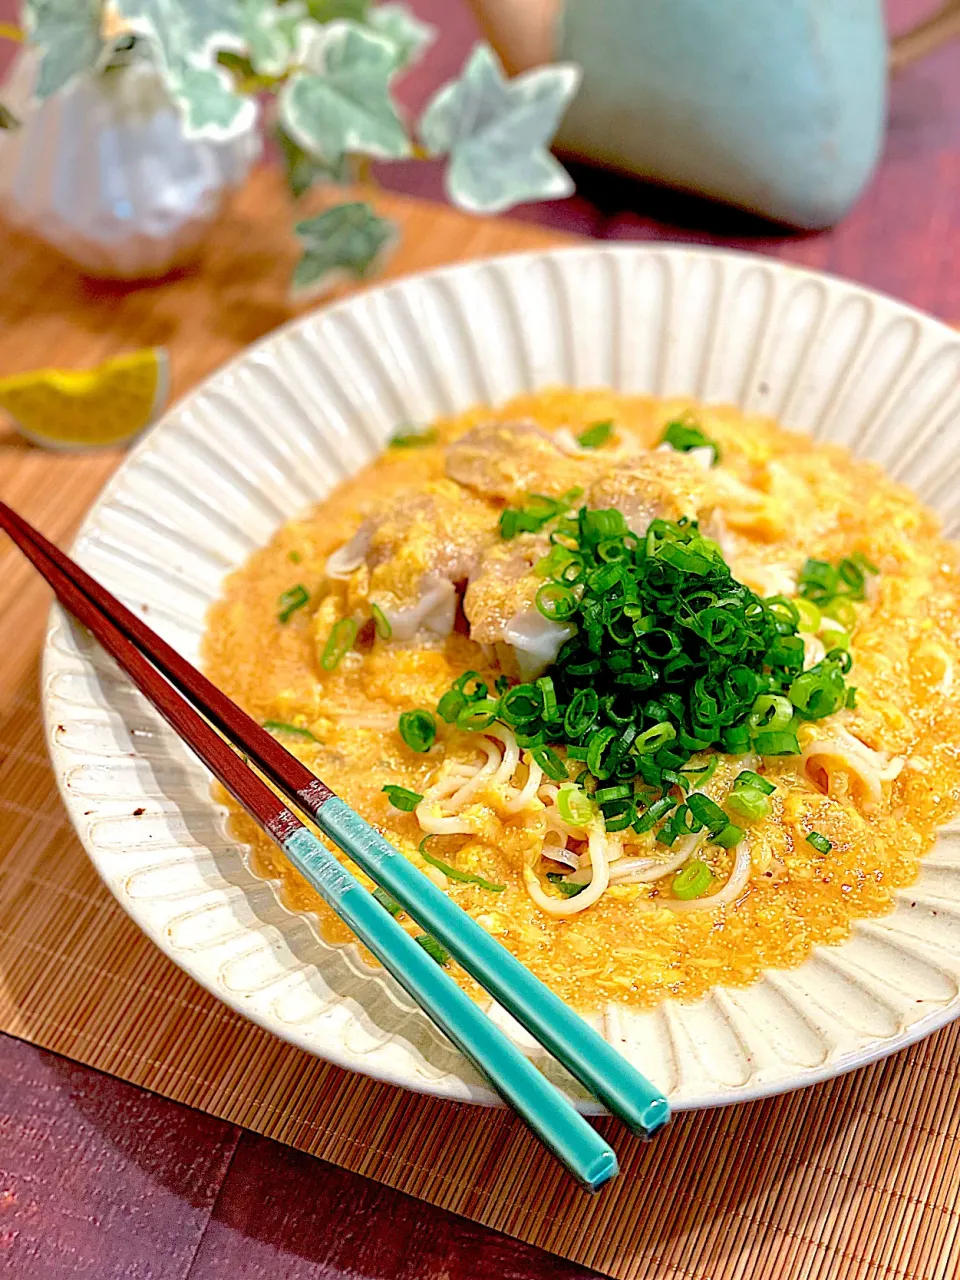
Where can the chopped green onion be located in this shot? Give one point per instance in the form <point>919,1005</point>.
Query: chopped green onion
<point>550,763</point>
<point>659,809</point>
<point>707,812</point>
<point>692,882</point>
<point>418,729</point>
<point>581,713</point>
<point>771,711</point>
<point>835,639</point>
<point>729,837</point>
<point>381,622</point>
<point>747,778</point>
<point>521,704</point>
<point>462,877</point>
<point>402,798</point>
<point>818,580</point>
<point>736,740</point>
<point>781,743</point>
<point>450,706</point>
<point>292,600</point>
<point>549,696</point>
<point>556,602</point>
<point>819,842</point>
<point>595,526</point>
<point>414,439</point>
<point>339,642</point>
<point>539,511</point>
<point>829,587</point>
<point>841,612</point>
<point>573,806</point>
<point>654,738</point>
<point>786,652</point>
<point>749,803</point>
<point>684,436</point>
<point>860,559</point>
<point>387,902</point>
<point>820,691</point>
<point>701,776</point>
<point>618,814</point>
<point>682,822</point>
<point>809,615</point>
<point>563,884</point>
<point>478,715</point>
<point>603,794</point>
<point>853,576</point>
<point>280,726</point>
<point>595,751</point>
<point>596,434</point>
<point>434,949</point>
<point>471,686</point>
<point>294,557</point>
<point>786,613</point>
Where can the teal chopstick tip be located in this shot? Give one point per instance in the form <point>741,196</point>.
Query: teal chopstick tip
<point>655,1115</point>
<point>601,1171</point>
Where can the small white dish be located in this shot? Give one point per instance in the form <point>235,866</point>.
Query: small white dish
<point>270,434</point>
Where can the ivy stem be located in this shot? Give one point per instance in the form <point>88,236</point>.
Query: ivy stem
<point>363,171</point>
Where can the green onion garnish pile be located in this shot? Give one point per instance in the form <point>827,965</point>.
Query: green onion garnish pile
<point>671,657</point>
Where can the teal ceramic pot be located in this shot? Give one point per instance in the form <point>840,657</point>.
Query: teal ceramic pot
<point>777,106</point>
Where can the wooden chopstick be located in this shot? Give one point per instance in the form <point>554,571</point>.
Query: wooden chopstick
<point>548,1113</point>
<point>590,1058</point>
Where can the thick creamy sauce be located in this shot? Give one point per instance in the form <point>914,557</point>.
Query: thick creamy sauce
<point>805,500</point>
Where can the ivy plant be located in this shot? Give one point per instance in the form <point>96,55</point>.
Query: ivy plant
<point>328,69</point>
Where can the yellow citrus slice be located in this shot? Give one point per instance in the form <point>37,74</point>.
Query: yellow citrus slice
<point>88,408</point>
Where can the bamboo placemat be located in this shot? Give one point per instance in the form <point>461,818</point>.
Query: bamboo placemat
<point>859,1177</point>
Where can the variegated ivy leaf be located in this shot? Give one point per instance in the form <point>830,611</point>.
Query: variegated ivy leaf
<point>186,36</point>
<point>302,171</point>
<point>346,241</point>
<point>331,10</point>
<point>341,101</point>
<point>497,133</point>
<point>270,32</point>
<point>399,24</point>
<point>67,32</point>
<point>211,106</point>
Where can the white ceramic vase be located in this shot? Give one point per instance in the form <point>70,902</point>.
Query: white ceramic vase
<point>103,172</point>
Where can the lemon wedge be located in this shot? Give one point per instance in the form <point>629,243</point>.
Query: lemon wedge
<point>89,408</point>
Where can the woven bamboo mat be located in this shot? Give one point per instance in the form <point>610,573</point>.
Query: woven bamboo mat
<point>856,1178</point>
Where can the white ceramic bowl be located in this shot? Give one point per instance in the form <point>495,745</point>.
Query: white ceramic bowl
<point>271,433</point>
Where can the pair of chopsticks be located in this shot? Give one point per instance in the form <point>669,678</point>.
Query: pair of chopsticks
<point>199,713</point>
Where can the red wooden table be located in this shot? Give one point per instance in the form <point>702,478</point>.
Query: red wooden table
<point>100,1179</point>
